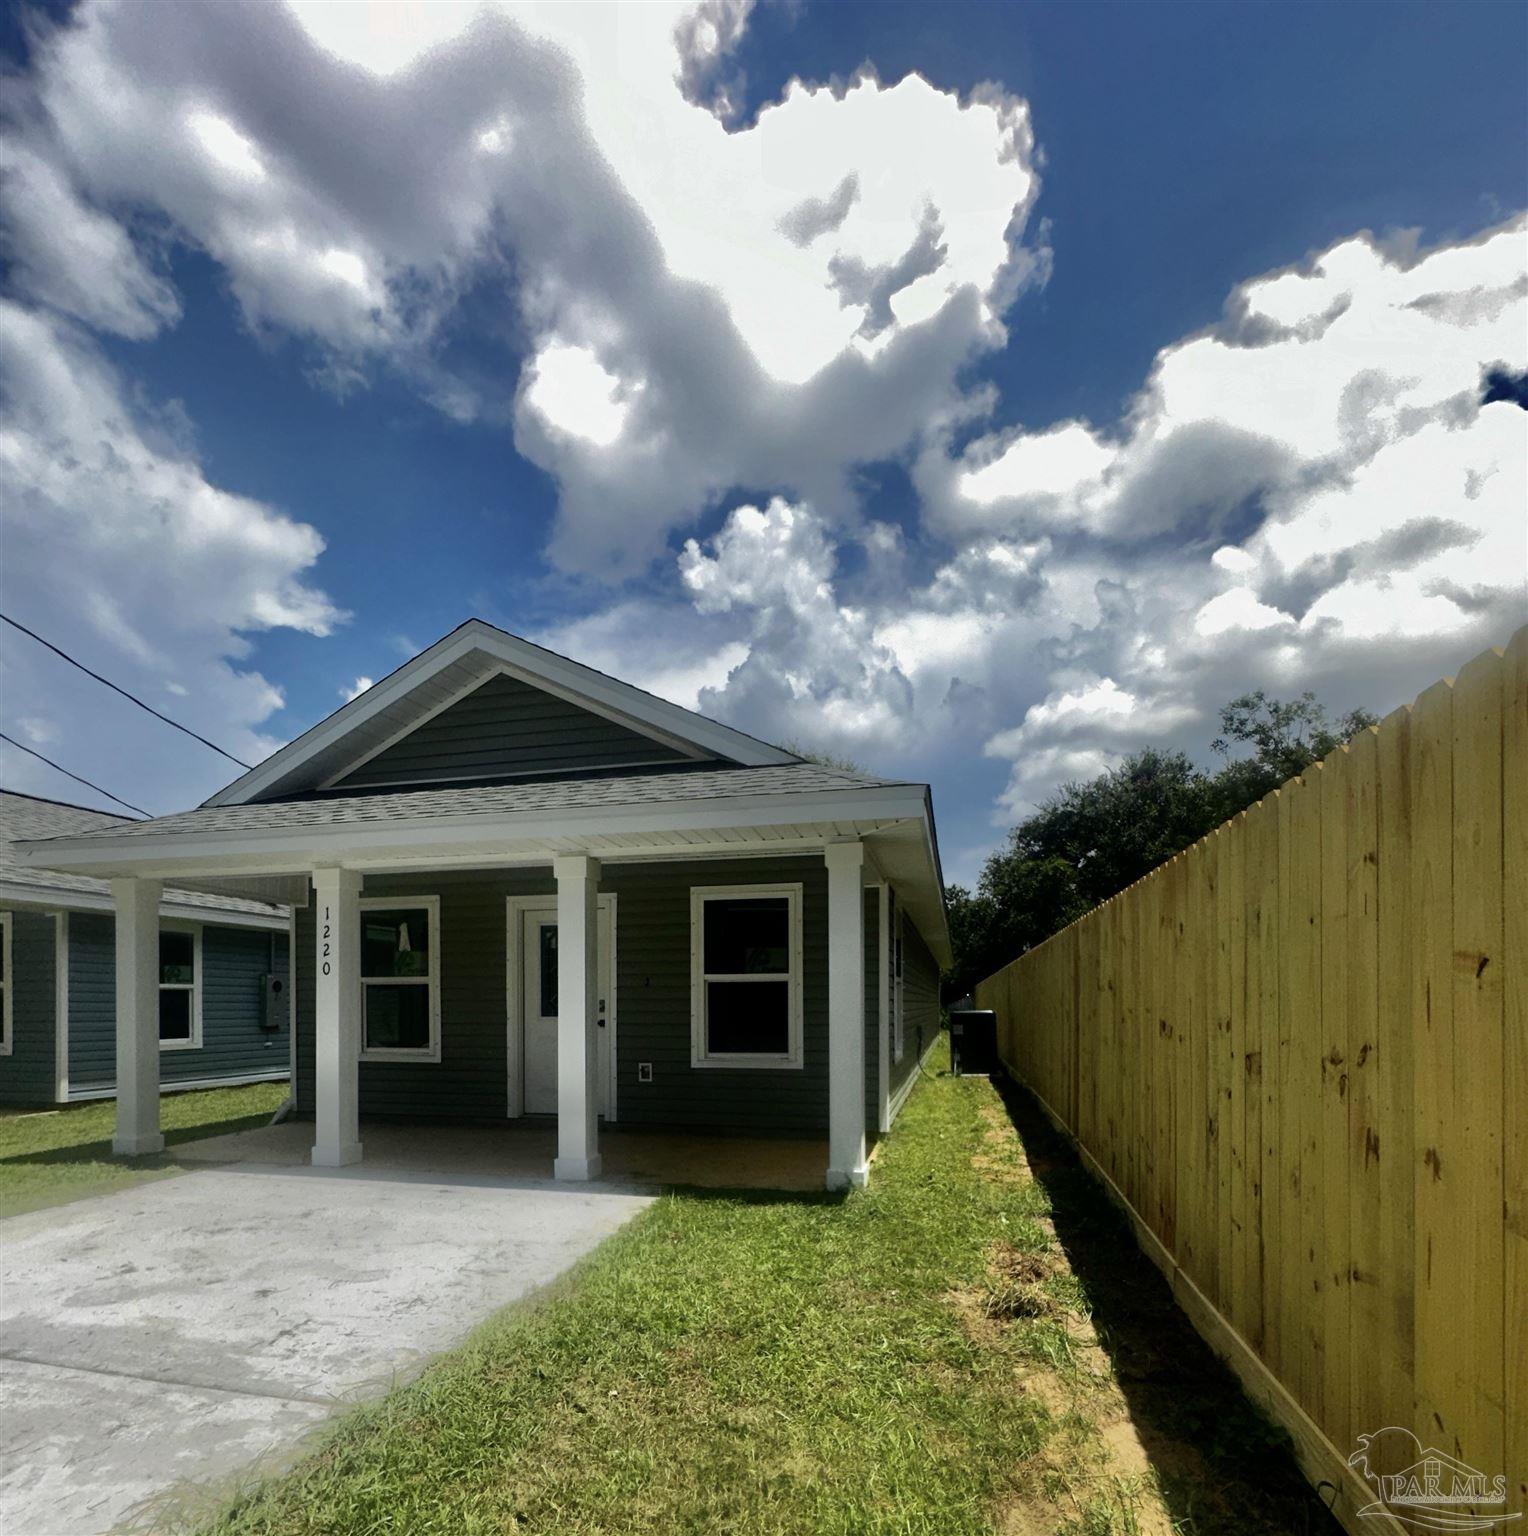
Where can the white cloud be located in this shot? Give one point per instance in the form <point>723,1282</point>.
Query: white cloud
<point>354,170</point>
<point>118,545</point>
<point>357,688</point>
<point>1312,374</point>
<point>1034,469</point>
<point>1371,568</point>
<point>71,256</point>
<point>573,394</point>
<point>1307,495</point>
<point>810,659</point>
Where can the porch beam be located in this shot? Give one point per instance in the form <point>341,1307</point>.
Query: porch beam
<point>848,1165</point>
<point>337,999</point>
<point>578,884</point>
<point>136,904</point>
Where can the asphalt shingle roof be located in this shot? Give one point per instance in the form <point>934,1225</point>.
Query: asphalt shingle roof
<point>23,818</point>
<point>501,799</point>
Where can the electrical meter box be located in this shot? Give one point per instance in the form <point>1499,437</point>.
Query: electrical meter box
<point>273,1016</point>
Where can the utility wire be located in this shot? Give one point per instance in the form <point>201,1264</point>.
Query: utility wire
<point>125,694</point>
<point>77,779</point>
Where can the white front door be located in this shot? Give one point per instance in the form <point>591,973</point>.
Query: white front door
<point>538,1009</point>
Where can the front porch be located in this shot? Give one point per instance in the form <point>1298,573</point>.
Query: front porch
<point>524,1151</point>
<point>723,1019</point>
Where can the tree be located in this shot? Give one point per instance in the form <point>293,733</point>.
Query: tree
<point>1090,841</point>
<point>1286,738</point>
<point>823,759</point>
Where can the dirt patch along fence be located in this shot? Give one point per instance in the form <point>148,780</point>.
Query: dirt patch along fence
<point>1297,1054</point>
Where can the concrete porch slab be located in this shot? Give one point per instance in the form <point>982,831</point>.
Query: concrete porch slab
<point>518,1152</point>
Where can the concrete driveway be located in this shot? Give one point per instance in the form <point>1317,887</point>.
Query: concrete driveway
<point>156,1342</point>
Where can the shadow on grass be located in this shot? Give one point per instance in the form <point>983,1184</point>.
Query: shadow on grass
<point>1223,1468</point>
<point>99,1150</point>
<point>713,1192</point>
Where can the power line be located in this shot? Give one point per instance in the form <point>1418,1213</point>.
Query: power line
<point>77,779</point>
<point>125,694</point>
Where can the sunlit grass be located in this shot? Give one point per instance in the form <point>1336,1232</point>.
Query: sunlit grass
<point>51,1156</point>
<point>770,1364</point>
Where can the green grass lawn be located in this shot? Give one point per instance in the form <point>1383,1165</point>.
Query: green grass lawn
<point>923,1356</point>
<point>49,1156</point>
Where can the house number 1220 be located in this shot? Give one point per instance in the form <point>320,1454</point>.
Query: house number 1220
<point>325,950</point>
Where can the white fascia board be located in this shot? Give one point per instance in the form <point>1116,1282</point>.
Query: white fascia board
<point>13,894</point>
<point>293,849</point>
<point>533,664</point>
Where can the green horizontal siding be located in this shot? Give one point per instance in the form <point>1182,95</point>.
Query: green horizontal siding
<point>505,726</point>
<point>27,1073</point>
<point>652,1002</point>
<point>92,1001</point>
<point>235,962</point>
<point>920,1004</point>
<point>872,1011</point>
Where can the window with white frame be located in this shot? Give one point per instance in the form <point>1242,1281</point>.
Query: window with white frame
<point>400,978</point>
<point>5,983</point>
<point>180,1013</point>
<point>898,1030</point>
<point>745,973</point>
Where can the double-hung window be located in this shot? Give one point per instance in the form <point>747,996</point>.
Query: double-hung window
<point>745,976</point>
<point>5,984</point>
<point>180,991</point>
<point>400,978</point>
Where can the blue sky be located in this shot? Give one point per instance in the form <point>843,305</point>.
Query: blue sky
<point>224,245</point>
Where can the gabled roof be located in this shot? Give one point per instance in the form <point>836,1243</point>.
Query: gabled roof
<point>30,817</point>
<point>451,668</point>
<point>546,797</point>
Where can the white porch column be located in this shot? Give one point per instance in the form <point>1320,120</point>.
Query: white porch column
<point>137,909</point>
<point>337,994</point>
<point>578,1146</point>
<point>847,1163</point>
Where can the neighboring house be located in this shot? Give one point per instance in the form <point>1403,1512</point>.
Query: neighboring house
<point>526,888</point>
<point>220,1009</point>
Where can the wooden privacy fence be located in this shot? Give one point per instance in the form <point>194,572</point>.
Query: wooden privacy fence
<point>1297,1054</point>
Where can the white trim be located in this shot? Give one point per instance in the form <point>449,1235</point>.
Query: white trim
<point>7,984</point>
<point>883,1006</point>
<point>404,732</point>
<point>61,1006</point>
<point>591,689</point>
<point>848,1165</point>
<point>181,1085</point>
<point>700,1056</point>
<point>51,899</point>
<point>336,1017</point>
<point>515,908</point>
<point>424,1055</point>
<point>292,1001</point>
<point>195,987</point>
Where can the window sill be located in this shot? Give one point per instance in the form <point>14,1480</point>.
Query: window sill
<point>180,1045</point>
<point>420,1057</point>
<point>747,1063</point>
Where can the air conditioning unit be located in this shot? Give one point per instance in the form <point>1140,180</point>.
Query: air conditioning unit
<point>275,1013</point>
